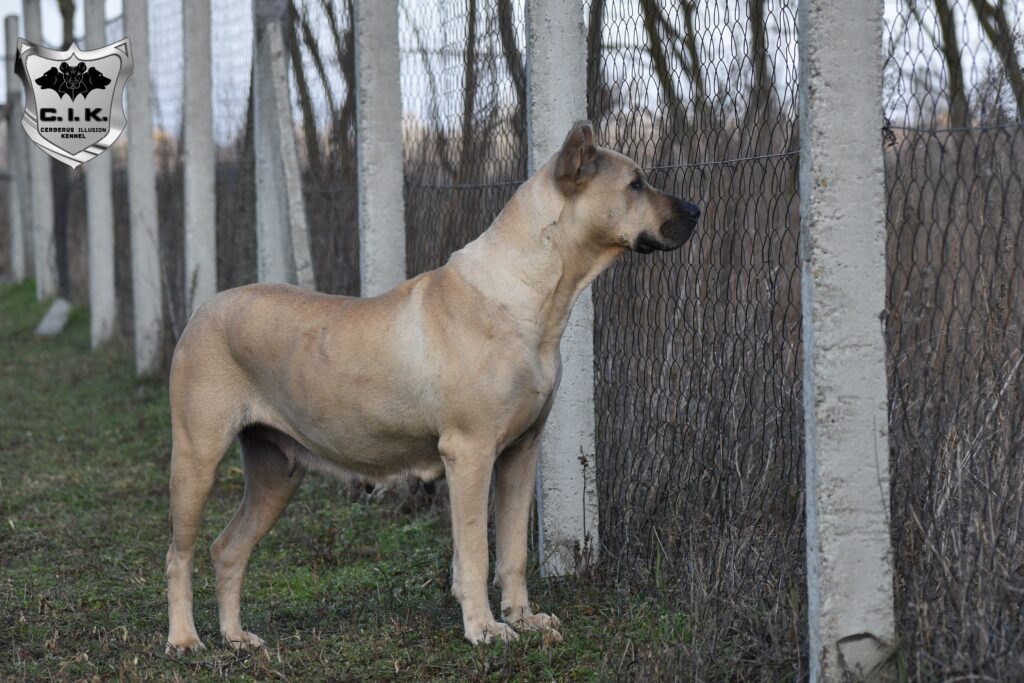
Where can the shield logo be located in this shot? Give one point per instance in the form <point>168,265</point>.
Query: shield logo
<point>74,110</point>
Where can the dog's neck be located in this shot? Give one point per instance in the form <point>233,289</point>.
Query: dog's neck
<point>535,258</point>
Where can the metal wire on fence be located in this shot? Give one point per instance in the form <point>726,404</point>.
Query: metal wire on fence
<point>954,148</point>
<point>699,409</point>
<point>166,69</point>
<point>463,97</point>
<point>231,53</point>
<point>322,48</point>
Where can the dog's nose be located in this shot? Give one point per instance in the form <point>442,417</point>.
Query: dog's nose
<point>692,211</point>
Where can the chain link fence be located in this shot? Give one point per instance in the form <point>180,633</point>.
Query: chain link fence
<point>697,352</point>
<point>463,98</point>
<point>231,53</point>
<point>954,149</point>
<point>322,48</point>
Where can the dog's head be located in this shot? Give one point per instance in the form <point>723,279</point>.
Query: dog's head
<point>613,199</point>
<point>73,74</point>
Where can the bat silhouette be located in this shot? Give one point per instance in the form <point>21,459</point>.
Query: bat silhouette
<point>73,80</point>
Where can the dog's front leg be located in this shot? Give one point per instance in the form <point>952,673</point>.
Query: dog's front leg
<point>468,465</point>
<point>514,490</point>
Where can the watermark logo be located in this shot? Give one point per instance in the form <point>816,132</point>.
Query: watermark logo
<point>74,108</point>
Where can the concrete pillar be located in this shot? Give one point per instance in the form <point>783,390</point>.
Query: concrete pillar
<point>99,210</point>
<point>44,247</point>
<point>842,244</point>
<point>146,280</point>
<point>200,158</point>
<point>566,488</point>
<point>17,165</point>
<point>282,236</point>
<point>379,147</point>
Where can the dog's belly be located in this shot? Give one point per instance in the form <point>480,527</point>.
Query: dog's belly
<point>381,457</point>
<point>350,446</point>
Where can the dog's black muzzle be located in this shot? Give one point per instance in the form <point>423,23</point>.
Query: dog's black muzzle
<point>673,232</point>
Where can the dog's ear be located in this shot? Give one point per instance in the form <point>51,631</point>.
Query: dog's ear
<point>64,67</point>
<point>577,161</point>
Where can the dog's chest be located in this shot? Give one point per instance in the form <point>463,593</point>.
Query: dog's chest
<point>532,393</point>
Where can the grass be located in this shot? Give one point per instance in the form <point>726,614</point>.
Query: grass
<point>340,589</point>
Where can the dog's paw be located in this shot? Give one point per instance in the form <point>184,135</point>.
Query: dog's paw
<point>243,640</point>
<point>525,620</point>
<point>489,631</point>
<point>182,645</point>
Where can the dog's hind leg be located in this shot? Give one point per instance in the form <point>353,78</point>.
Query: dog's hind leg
<point>270,481</point>
<point>194,463</point>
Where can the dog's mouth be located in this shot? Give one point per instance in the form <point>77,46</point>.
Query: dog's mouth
<point>647,243</point>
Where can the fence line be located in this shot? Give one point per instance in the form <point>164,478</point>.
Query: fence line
<point>282,233</point>
<point>44,246</point>
<point>146,266</point>
<point>842,238</point>
<point>556,97</point>
<point>100,207</point>
<point>379,147</point>
<point>200,157</point>
<point>18,207</point>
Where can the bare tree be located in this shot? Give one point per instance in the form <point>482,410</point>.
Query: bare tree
<point>469,92</point>
<point>673,54</point>
<point>690,46</point>
<point>949,45</point>
<point>596,105</point>
<point>996,25</point>
<point>298,19</point>
<point>654,21</point>
<point>516,70</point>
<point>759,101</point>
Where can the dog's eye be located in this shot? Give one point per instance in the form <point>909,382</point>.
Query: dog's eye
<point>637,184</point>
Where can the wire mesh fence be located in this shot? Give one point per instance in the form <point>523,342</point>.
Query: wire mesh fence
<point>166,71</point>
<point>463,97</point>
<point>699,409</point>
<point>122,224</point>
<point>954,147</point>
<point>322,48</point>
<point>231,54</point>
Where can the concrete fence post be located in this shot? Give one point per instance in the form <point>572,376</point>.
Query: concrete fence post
<point>379,147</point>
<point>842,244</point>
<point>19,218</point>
<point>146,281</point>
<point>282,235</point>
<point>99,210</point>
<point>44,248</point>
<point>200,158</point>
<point>566,486</point>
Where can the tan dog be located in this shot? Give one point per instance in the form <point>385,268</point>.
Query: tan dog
<point>452,372</point>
